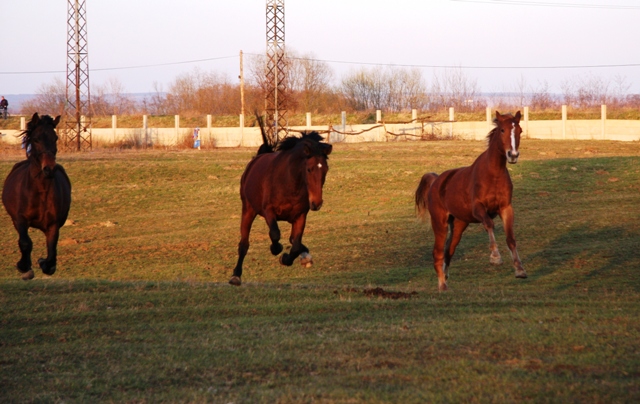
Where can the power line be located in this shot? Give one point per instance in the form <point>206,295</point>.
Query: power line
<point>551,4</point>
<point>470,67</point>
<point>126,67</point>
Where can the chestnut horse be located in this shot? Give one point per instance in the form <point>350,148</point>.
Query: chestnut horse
<point>474,194</point>
<point>37,193</point>
<point>282,182</point>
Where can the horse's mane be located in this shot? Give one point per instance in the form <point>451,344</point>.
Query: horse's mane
<point>27,134</point>
<point>493,131</point>
<point>291,142</point>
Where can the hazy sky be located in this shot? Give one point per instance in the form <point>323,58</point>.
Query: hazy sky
<point>502,42</point>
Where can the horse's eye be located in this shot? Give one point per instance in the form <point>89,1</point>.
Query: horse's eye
<point>502,130</point>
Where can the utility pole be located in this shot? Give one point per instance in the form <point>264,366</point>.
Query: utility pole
<point>241,77</point>
<point>76,132</point>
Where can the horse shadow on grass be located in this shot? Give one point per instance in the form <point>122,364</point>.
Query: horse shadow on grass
<point>609,256</point>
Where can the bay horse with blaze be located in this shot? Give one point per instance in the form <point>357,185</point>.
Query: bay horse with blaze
<point>37,193</point>
<point>282,183</point>
<point>474,194</point>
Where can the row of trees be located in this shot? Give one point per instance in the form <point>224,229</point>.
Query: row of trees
<point>312,88</point>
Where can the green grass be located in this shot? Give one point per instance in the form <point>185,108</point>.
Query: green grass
<point>140,310</point>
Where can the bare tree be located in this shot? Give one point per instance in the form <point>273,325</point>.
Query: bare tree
<point>50,99</point>
<point>309,79</point>
<point>453,88</point>
<point>111,99</point>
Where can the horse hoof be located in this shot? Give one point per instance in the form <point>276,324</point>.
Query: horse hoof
<point>276,248</point>
<point>443,287</point>
<point>285,259</point>
<point>27,275</point>
<point>495,260</point>
<point>45,268</point>
<point>521,274</point>
<point>235,281</point>
<point>306,260</point>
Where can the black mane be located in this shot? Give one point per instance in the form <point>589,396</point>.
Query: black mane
<point>290,142</point>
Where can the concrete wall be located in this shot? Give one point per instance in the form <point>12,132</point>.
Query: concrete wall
<point>597,129</point>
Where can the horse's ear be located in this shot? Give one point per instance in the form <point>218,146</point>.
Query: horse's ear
<point>498,116</point>
<point>306,150</point>
<point>35,118</point>
<point>56,121</point>
<point>326,148</point>
<point>517,117</point>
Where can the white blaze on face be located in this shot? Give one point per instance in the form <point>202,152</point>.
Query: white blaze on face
<point>513,137</point>
<point>319,165</point>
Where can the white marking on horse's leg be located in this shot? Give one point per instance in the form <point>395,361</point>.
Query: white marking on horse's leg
<point>517,264</point>
<point>495,257</point>
<point>306,260</point>
<point>513,137</point>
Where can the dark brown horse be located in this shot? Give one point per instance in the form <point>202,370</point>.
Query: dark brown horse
<point>282,182</point>
<point>37,193</point>
<point>474,194</point>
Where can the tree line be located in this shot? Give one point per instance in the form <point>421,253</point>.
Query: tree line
<point>312,87</point>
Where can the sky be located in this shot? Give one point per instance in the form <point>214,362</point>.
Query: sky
<point>498,43</point>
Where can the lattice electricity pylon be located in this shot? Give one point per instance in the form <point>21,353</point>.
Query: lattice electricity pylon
<point>76,131</point>
<point>276,71</point>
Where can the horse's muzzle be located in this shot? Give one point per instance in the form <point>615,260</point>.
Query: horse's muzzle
<point>512,157</point>
<point>316,206</point>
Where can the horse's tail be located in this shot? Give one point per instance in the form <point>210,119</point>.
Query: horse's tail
<point>268,145</point>
<point>422,208</point>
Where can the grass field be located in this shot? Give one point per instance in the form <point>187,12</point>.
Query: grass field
<point>140,311</point>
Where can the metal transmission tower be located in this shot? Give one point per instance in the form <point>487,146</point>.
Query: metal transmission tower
<point>77,126</point>
<point>276,70</point>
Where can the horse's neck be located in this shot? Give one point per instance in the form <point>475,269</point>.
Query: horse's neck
<point>495,160</point>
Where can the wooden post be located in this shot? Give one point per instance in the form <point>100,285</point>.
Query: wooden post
<point>241,87</point>
<point>603,114</point>
<point>145,126</point>
<point>489,117</point>
<point>414,121</point>
<point>209,121</point>
<point>308,120</point>
<point>564,121</point>
<point>526,122</point>
<point>378,116</point>
<point>23,123</point>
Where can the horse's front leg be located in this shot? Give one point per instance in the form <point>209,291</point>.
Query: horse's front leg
<point>48,265</point>
<point>480,213</point>
<point>297,248</point>
<point>274,233</point>
<point>507,218</point>
<point>26,245</point>
<point>248,216</point>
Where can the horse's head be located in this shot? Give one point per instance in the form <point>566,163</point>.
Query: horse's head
<point>509,130</point>
<point>317,168</point>
<point>314,154</point>
<point>40,142</point>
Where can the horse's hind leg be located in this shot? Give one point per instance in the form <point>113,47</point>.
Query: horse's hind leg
<point>248,216</point>
<point>48,265</point>
<point>456,227</point>
<point>297,248</point>
<point>439,226</point>
<point>26,245</point>
<point>507,219</point>
<point>274,234</point>
<point>480,213</point>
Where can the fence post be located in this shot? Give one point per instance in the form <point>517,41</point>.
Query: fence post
<point>414,121</point>
<point>489,117</point>
<point>145,129</point>
<point>603,113</point>
<point>378,116</point>
<point>308,120</point>
<point>564,121</point>
<point>114,126</point>
<point>209,121</point>
<point>177,119</point>
<point>23,123</point>
<point>526,122</point>
<point>451,116</point>
<point>344,121</point>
